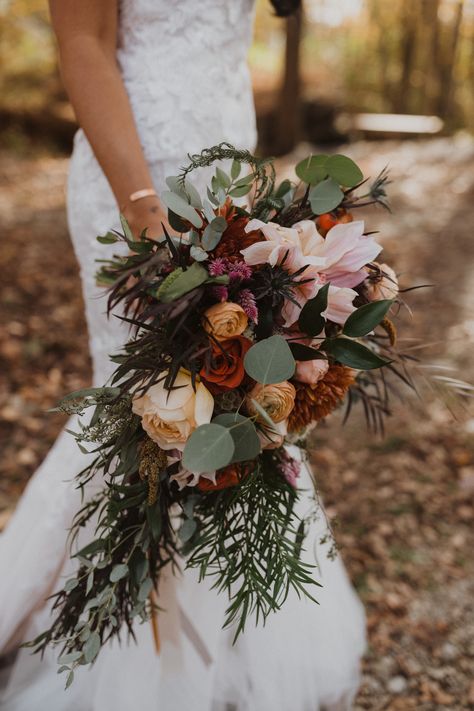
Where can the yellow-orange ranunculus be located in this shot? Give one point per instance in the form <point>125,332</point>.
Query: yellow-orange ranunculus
<point>277,400</point>
<point>170,416</point>
<point>225,320</point>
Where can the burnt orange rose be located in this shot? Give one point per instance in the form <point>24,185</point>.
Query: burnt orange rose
<point>224,366</point>
<point>227,477</point>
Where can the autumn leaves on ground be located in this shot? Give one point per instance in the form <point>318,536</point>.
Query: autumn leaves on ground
<point>402,507</point>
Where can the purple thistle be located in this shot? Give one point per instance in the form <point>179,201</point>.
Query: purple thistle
<point>220,292</point>
<point>247,301</point>
<point>218,267</point>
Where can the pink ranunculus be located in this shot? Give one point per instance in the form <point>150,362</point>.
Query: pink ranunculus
<point>311,371</point>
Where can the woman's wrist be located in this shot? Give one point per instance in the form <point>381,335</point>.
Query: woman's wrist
<point>146,213</point>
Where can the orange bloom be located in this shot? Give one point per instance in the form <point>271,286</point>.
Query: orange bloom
<point>227,477</point>
<point>224,369</point>
<point>235,237</point>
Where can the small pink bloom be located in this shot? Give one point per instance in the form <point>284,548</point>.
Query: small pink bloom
<point>240,270</point>
<point>218,267</point>
<point>291,469</point>
<point>311,371</point>
<point>247,301</point>
<point>220,292</point>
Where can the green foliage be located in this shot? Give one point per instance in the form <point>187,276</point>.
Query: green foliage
<point>311,320</point>
<point>270,361</point>
<point>242,430</point>
<point>364,319</point>
<point>210,447</point>
<point>353,354</point>
<point>180,282</point>
<point>325,196</point>
<point>248,541</point>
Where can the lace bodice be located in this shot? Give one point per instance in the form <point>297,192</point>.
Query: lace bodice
<point>184,65</point>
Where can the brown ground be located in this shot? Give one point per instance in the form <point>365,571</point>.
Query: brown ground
<point>403,504</point>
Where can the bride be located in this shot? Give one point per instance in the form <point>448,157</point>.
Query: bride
<point>150,81</point>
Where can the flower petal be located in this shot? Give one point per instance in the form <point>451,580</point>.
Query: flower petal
<point>203,405</point>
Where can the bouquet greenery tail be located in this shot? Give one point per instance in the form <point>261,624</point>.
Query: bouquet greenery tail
<point>248,325</point>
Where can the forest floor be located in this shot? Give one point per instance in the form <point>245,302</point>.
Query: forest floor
<point>402,506</point>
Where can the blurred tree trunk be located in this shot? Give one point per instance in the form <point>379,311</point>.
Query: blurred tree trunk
<point>408,28</point>
<point>376,15</point>
<point>431,54</point>
<point>448,64</point>
<point>289,104</point>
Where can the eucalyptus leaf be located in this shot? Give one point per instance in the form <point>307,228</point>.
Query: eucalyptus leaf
<point>270,361</point>
<point>118,572</point>
<point>344,171</point>
<point>364,319</point>
<point>311,320</point>
<point>353,354</point>
<point>312,170</point>
<point>219,224</point>
<point>90,582</point>
<point>109,238</point>
<point>91,648</point>
<point>263,414</point>
<point>145,589</point>
<point>325,196</point>
<point>198,253</point>
<point>70,657</point>
<point>210,447</point>
<point>178,205</point>
<point>174,184</point>
<point>212,198</point>
<point>126,229</point>
<point>240,192</point>
<point>210,238</point>
<point>235,169</point>
<point>246,440</point>
<point>194,197</point>
<point>71,584</point>
<point>187,530</point>
<point>208,210</point>
<point>245,181</point>
<point>223,179</point>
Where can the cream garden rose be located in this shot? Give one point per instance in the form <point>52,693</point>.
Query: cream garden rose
<point>170,416</point>
<point>277,400</point>
<point>225,320</point>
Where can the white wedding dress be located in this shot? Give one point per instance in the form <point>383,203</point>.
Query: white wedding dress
<point>184,66</point>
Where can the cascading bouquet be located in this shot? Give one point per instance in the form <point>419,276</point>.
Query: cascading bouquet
<point>249,327</point>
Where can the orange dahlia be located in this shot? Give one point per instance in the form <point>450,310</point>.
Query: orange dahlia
<point>315,402</point>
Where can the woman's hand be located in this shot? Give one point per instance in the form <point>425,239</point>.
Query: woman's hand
<point>147,213</point>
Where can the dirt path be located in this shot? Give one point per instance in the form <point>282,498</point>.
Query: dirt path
<point>403,505</point>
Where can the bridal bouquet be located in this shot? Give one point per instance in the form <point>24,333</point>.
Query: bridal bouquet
<point>249,324</point>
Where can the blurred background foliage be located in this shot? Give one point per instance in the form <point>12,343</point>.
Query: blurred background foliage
<point>349,56</point>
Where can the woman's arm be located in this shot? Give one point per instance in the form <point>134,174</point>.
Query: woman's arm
<point>87,37</point>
